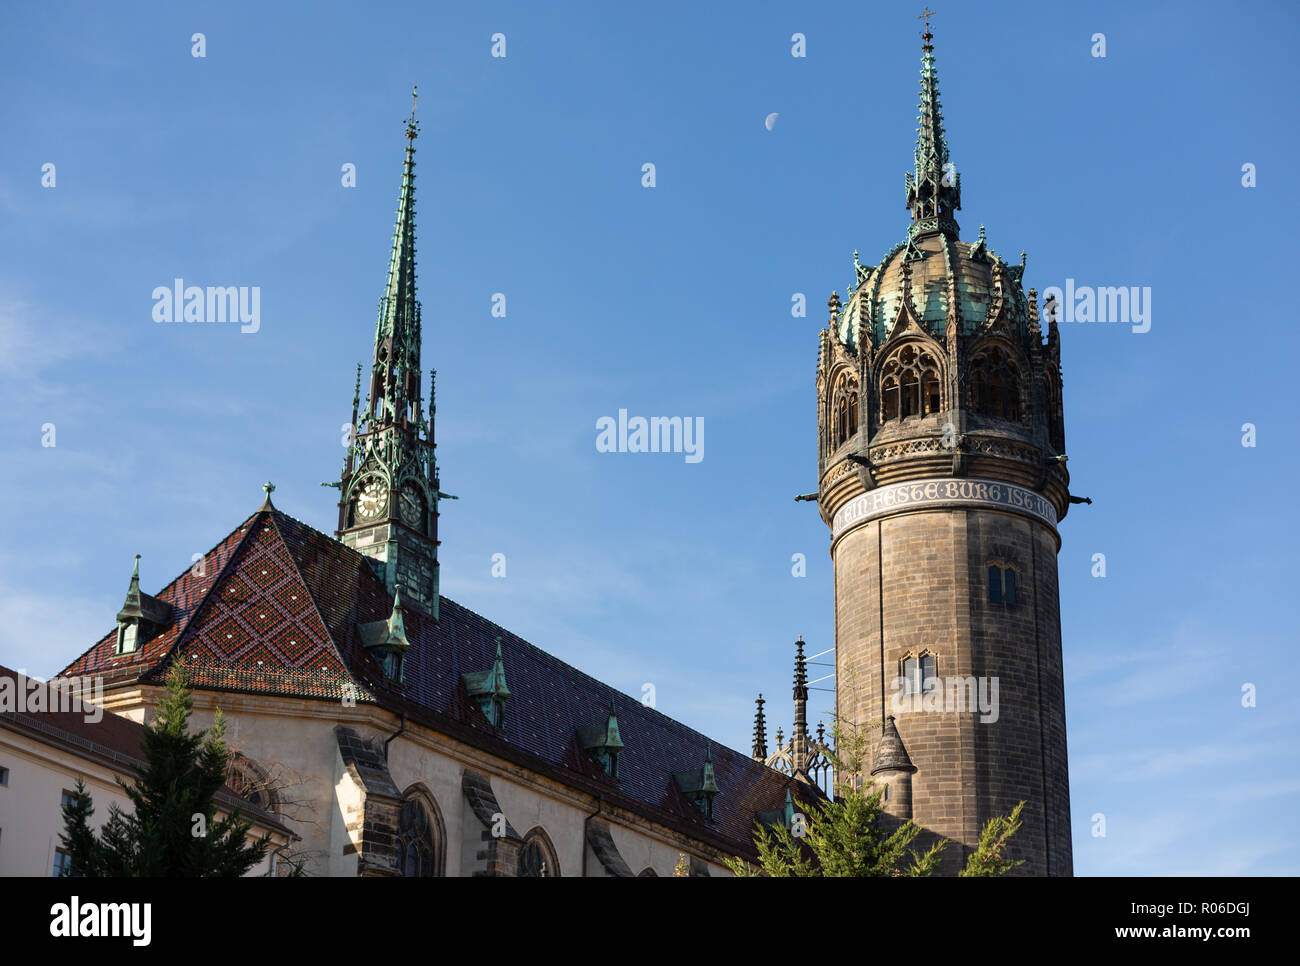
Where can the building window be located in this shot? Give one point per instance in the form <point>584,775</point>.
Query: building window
<point>392,665</point>
<point>929,672</point>
<point>62,863</point>
<point>127,636</point>
<point>4,776</point>
<point>67,798</point>
<point>250,782</point>
<point>845,411</point>
<point>537,858</point>
<point>1002,585</point>
<point>920,676</point>
<point>911,683</point>
<point>419,837</point>
<point>910,385</point>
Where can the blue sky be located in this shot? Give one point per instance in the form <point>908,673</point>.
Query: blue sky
<point>225,170</point>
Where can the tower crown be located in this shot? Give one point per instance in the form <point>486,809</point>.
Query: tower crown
<point>933,364</point>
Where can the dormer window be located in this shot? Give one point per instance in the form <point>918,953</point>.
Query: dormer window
<point>488,690</point>
<point>392,665</point>
<point>603,743</point>
<point>386,640</point>
<point>699,785</point>
<point>141,618</point>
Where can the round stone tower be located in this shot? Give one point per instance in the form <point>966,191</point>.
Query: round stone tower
<point>941,464</point>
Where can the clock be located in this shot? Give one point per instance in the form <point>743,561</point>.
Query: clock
<point>411,506</point>
<point>372,498</point>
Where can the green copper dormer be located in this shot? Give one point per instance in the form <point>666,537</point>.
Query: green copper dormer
<point>488,690</point>
<point>934,188</point>
<point>782,817</point>
<point>603,743</point>
<point>700,785</point>
<point>386,640</point>
<point>141,618</point>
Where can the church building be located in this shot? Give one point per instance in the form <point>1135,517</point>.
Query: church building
<point>396,732</point>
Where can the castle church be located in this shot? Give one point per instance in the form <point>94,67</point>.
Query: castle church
<point>396,732</point>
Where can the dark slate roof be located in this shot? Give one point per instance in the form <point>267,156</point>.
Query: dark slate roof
<point>278,610</point>
<point>116,741</point>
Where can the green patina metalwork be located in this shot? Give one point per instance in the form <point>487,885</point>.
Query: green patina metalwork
<point>488,689</point>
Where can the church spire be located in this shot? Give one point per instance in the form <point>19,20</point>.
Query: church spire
<point>395,373</point>
<point>934,189</point>
<point>388,507</point>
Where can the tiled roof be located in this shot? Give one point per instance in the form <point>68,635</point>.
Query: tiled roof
<point>278,612</point>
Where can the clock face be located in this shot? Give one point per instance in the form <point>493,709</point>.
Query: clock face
<point>411,505</point>
<point>372,498</point>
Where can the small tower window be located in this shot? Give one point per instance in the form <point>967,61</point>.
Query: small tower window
<point>911,680</point>
<point>1002,585</point>
<point>929,672</point>
<point>127,637</point>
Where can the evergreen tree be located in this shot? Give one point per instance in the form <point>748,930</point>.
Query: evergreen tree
<point>847,837</point>
<point>988,859</point>
<point>77,838</point>
<point>172,829</point>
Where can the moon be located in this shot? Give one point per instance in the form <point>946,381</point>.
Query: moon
<point>770,121</point>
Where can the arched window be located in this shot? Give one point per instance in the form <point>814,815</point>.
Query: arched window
<point>250,782</point>
<point>845,411</point>
<point>419,837</point>
<point>537,857</point>
<point>910,385</point>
